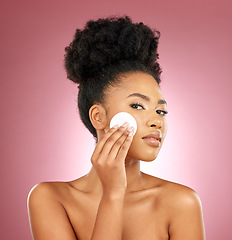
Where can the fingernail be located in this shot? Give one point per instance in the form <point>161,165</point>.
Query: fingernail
<point>131,130</point>
<point>125,124</point>
<point>116,126</point>
<point>131,133</point>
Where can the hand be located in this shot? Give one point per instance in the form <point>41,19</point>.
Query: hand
<point>109,156</point>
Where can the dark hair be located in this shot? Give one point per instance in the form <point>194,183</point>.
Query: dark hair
<point>103,50</point>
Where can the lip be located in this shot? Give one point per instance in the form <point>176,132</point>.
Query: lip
<point>153,139</point>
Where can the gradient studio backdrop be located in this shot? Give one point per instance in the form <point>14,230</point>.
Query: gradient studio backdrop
<point>42,137</point>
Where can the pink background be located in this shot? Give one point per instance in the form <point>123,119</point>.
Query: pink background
<point>42,137</point>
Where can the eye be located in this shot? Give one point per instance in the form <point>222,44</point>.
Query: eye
<point>162,112</point>
<point>137,106</point>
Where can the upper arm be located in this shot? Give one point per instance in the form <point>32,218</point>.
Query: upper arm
<point>48,218</point>
<point>187,218</point>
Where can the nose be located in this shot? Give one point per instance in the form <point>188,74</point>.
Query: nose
<point>154,121</point>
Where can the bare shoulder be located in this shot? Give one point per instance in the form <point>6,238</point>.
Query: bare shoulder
<point>174,194</point>
<point>47,215</point>
<point>179,193</point>
<point>48,189</point>
<point>184,210</point>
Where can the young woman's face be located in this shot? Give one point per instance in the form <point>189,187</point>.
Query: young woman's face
<point>139,94</point>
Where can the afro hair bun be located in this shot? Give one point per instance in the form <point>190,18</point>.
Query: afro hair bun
<point>107,42</point>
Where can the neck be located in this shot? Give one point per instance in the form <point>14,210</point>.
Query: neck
<point>135,178</point>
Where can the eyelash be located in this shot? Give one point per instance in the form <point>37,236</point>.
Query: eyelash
<point>134,105</point>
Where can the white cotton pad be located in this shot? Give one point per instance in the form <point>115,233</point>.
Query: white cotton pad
<point>123,117</point>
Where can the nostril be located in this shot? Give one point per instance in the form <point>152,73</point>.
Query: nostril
<point>153,125</point>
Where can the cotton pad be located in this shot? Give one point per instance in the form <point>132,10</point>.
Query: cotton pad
<point>123,117</point>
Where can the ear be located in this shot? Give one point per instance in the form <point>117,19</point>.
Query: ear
<point>97,115</point>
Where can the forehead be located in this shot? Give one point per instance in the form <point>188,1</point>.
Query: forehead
<point>136,82</point>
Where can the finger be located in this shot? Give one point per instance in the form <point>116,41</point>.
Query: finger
<point>102,141</point>
<point>117,145</point>
<point>121,143</point>
<point>122,152</point>
<point>110,142</point>
<point>107,138</point>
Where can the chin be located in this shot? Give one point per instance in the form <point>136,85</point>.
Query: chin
<point>143,152</point>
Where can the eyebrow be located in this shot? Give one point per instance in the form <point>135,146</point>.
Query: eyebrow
<point>161,101</point>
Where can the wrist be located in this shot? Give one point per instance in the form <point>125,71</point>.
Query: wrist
<point>114,195</point>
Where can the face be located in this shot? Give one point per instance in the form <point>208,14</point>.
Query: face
<point>139,94</point>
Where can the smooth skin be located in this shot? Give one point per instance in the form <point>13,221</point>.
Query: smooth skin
<point>115,200</point>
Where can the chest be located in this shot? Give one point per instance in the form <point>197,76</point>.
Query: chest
<point>144,219</point>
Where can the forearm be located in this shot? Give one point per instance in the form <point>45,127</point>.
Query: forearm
<point>109,220</point>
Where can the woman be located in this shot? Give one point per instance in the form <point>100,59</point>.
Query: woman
<point>114,61</point>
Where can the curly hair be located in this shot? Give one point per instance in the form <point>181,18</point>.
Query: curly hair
<point>103,50</point>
